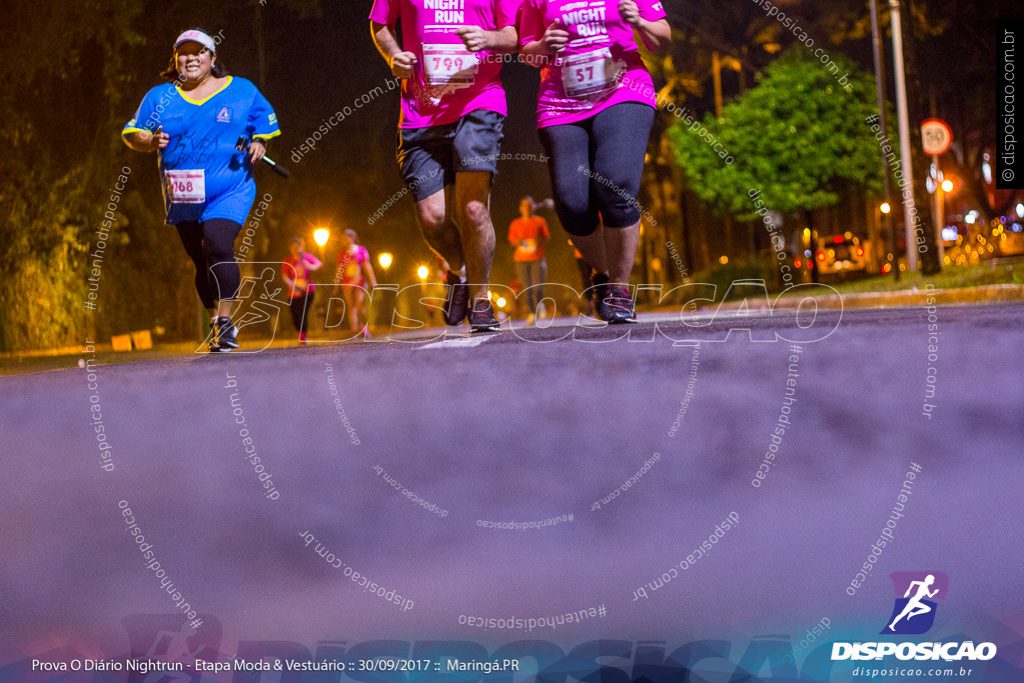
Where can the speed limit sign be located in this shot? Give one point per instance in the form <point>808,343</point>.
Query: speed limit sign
<point>936,136</point>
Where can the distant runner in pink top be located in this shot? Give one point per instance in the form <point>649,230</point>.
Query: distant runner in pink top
<point>296,272</point>
<point>356,272</point>
<point>595,109</point>
<point>450,132</point>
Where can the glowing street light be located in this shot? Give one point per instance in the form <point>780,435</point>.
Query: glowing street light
<point>385,260</point>
<point>320,236</point>
<point>947,185</point>
<point>885,207</point>
<point>423,272</point>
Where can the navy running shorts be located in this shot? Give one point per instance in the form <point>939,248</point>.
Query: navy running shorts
<point>430,157</point>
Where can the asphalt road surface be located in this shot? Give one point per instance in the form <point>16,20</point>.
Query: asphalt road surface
<point>685,484</point>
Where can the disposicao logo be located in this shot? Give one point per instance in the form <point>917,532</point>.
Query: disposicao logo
<point>916,592</point>
<point>913,613</point>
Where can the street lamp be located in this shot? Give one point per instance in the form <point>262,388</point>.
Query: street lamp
<point>423,272</point>
<point>947,185</point>
<point>385,260</point>
<point>877,249</point>
<point>320,236</point>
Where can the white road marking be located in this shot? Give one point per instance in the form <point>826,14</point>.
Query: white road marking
<point>460,342</point>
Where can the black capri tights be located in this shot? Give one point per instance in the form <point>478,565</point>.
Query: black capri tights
<point>211,246</point>
<point>596,166</point>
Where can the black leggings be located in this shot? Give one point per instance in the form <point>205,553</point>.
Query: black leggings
<point>596,167</point>
<point>211,246</point>
<point>300,309</point>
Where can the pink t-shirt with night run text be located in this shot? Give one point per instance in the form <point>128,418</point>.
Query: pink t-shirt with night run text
<point>449,81</point>
<point>600,67</point>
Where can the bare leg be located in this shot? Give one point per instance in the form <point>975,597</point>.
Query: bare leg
<point>358,311</point>
<point>594,250</point>
<point>473,218</point>
<point>351,307</point>
<point>439,230</point>
<point>620,246</point>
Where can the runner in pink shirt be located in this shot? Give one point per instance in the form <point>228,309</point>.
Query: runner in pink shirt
<point>595,109</point>
<point>296,272</point>
<point>453,110</point>
<point>355,272</point>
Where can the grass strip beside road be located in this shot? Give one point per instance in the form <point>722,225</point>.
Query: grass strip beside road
<point>951,277</point>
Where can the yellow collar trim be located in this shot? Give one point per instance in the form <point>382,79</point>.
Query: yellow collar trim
<point>219,90</point>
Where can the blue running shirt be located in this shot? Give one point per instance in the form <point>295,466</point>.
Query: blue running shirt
<point>204,168</point>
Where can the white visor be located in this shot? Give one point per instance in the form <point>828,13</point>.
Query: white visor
<point>196,37</point>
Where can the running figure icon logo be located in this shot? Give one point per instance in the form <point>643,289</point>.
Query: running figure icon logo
<point>916,592</point>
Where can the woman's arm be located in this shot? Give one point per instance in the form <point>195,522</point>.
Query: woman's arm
<point>284,275</point>
<point>257,149</point>
<point>144,141</point>
<point>370,276</point>
<point>553,41</point>
<point>312,262</point>
<point>656,35</point>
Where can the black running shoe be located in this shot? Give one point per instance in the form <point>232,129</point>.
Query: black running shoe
<point>225,336</point>
<point>481,318</point>
<point>456,306</point>
<point>618,305</point>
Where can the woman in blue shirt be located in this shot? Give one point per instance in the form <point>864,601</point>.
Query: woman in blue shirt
<point>208,129</point>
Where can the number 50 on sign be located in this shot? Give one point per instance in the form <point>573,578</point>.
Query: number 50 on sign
<point>936,136</point>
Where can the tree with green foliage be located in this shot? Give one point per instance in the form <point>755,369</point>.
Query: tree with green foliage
<point>800,136</point>
<point>60,160</point>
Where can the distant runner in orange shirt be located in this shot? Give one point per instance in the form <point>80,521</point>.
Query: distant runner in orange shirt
<point>528,235</point>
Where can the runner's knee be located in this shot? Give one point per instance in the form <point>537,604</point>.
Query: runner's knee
<point>618,206</point>
<point>576,216</point>
<point>475,213</point>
